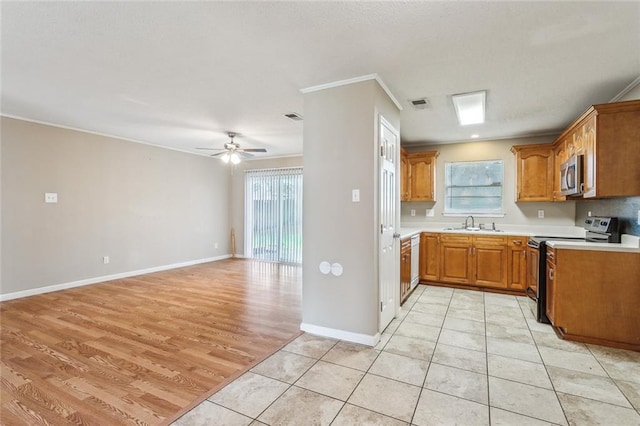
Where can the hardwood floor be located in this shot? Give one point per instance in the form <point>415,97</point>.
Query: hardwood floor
<point>144,349</point>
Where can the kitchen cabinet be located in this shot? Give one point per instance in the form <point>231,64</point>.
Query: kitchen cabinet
<point>534,172</point>
<point>419,176</point>
<point>456,262</point>
<point>607,135</point>
<point>492,261</point>
<point>560,154</point>
<point>489,257</point>
<point>517,263</point>
<point>593,297</point>
<point>405,269</point>
<point>429,256</point>
<point>404,175</point>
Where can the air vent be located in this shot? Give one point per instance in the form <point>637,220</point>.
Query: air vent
<point>421,103</point>
<point>294,116</point>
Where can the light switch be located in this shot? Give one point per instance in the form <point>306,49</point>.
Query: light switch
<point>355,195</point>
<point>50,197</point>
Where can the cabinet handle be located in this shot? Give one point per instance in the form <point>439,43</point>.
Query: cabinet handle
<point>551,274</point>
<point>517,242</point>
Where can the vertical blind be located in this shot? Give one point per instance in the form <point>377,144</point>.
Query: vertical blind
<point>273,214</point>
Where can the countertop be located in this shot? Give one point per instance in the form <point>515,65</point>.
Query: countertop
<point>629,243</point>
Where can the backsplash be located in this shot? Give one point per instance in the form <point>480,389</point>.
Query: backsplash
<point>624,208</point>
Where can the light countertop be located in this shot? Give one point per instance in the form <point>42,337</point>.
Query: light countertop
<point>629,243</point>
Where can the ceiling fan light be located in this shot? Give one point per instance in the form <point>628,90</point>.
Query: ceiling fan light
<point>225,157</point>
<point>235,158</point>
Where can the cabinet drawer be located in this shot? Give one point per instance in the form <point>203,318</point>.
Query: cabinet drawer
<point>455,238</point>
<point>516,242</point>
<point>490,239</point>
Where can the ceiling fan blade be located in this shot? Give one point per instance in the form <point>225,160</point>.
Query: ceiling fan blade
<point>255,150</point>
<point>217,154</point>
<point>213,149</point>
<point>245,154</point>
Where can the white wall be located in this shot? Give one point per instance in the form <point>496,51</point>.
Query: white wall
<point>340,154</point>
<point>237,190</point>
<point>523,213</point>
<point>142,206</point>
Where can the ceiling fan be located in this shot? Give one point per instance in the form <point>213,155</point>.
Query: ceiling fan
<point>232,151</point>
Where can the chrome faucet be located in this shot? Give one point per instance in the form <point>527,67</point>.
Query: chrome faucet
<point>466,222</point>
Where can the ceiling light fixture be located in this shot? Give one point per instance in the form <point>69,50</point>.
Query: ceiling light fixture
<point>225,157</point>
<point>470,107</point>
<point>235,158</point>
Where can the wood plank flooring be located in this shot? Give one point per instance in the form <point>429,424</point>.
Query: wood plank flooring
<point>144,349</point>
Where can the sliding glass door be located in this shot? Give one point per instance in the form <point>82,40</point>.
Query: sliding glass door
<point>273,215</point>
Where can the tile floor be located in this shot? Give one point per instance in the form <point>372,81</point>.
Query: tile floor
<point>452,357</point>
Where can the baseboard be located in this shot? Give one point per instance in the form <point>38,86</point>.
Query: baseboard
<point>364,339</point>
<point>95,280</point>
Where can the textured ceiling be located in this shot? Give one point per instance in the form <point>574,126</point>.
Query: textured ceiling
<point>182,74</point>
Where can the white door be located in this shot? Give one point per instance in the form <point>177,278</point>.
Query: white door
<point>389,261</point>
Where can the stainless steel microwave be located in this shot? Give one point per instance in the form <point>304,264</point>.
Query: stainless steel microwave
<point>571,176</point>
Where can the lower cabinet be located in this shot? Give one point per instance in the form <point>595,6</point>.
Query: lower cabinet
<point>405,269</point>
<point>429,256</point>
<point>490,260</point>
<point>517,263</point>
<point>593,296</point>
<point>455,259</point>
<point>479,260</point>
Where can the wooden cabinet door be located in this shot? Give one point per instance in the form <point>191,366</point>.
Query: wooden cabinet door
<point>534,173</point>
<point>490,261</point>
<point>560,156</point>
<point>455,259</point>
<point>429,256</point>
<point>404,175</point>
<point>589,164</point>
<point>405,269</point>
<point>517,263</point>
<point>422,176</point>
<point>551,291</point>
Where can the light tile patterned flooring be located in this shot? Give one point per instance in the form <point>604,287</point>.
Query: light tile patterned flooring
<point>452,357</point>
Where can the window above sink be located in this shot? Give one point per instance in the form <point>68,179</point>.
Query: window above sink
<point>474,187</point>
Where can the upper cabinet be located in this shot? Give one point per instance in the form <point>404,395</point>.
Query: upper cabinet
<point>418,175</point>
<point>404,175</point>
<point>608,136</point>
<point>534,172</point>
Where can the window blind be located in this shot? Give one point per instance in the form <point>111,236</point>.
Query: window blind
<point>273,214</point>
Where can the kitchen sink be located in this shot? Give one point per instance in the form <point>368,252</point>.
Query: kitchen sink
<point>474,229</point>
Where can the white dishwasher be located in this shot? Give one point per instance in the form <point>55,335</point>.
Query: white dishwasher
<point>415,260</point>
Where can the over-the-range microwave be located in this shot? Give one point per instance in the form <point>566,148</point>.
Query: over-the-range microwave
<point>571,176</point>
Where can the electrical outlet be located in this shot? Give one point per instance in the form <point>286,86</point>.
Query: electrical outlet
<point>431,213</point>
<point>50,197</point>
<point>589,213</point>
<point>540,214</point>
<point>413,212</point>
<point>105,259</point>
<point>638,217</point>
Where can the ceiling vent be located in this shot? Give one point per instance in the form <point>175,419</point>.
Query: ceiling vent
<point>422,103</point>
<point>294,116</point>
